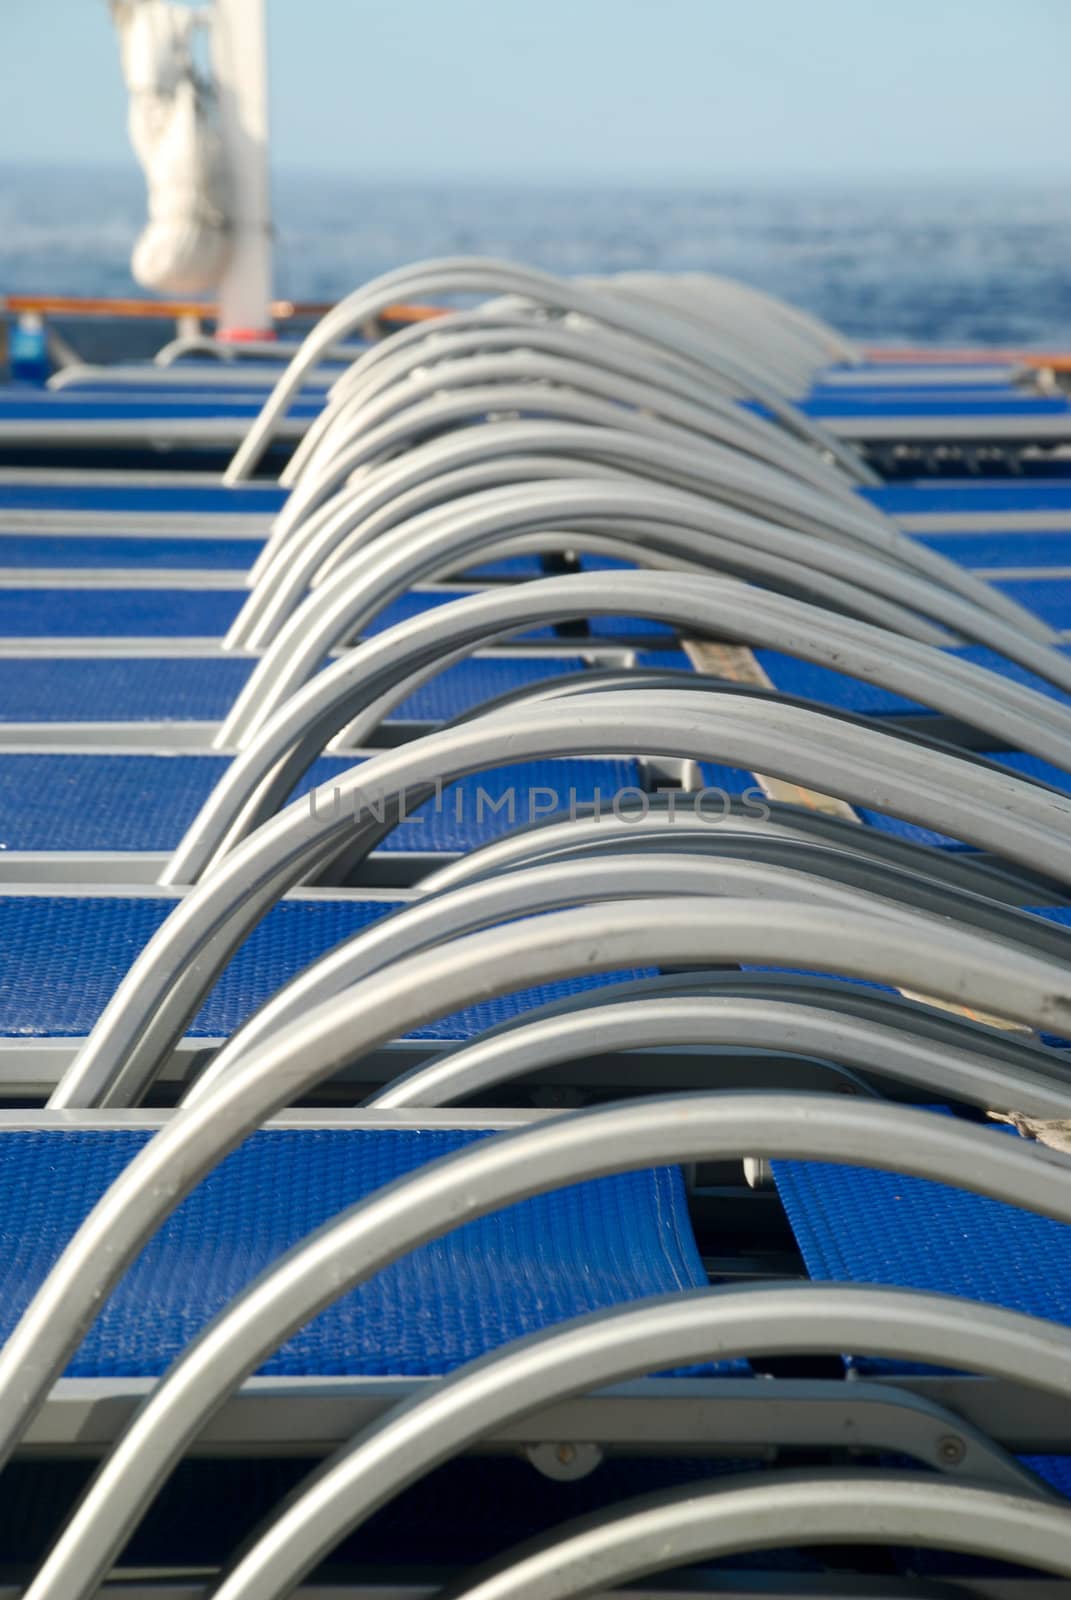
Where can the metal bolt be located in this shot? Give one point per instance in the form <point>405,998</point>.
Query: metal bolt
<point>951,1449</point>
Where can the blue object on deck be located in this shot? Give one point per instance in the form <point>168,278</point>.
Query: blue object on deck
<point>27,350</point>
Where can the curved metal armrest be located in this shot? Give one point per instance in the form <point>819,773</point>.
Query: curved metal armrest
<point>169,978</point>
<point>466,275</point>
<point>368,682</point>
<point>167,981</point>
<point>682,866</point>
<point>730,477</point>
<point>442,537</point>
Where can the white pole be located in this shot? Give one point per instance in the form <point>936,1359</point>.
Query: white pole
<point>240,60</point>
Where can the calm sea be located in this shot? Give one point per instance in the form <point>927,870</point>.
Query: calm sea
<point>949,263</point>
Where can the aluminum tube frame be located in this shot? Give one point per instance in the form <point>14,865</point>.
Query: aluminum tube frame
<point>467,275</point>
<point>711,470</point>
<point>720,866</point>
<point>610,1347</point>
<point>719,1021</point>
<point>549,886</point>
<point>367,682</point>
<point>357,591</point>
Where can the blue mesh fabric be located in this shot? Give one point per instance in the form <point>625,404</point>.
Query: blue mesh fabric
<point>162,613</point>
<point>970,494</point>
<point>108,802</point>
<point>492,1013</point>
<point>469,683</point>
<point>146,802</point>
<point>628,628</point>
<point>64,957</point>
<point>665,660</point>
<point>47,407</point>
<point>184,495</point>
<point>118,613</point>
<point>120,688</point>
<point>984,388</point>
<point>1012,549</point>
<point>557,1256</point>
<point>1054,1469</point>
<point>465,814</point>
<point>508,567</point>
<point>729,780</point>
<point>418,601</point>
<point>856,1225</point>
<point>203,689</point>
<point>57,550</point>
<point>1048,598</point>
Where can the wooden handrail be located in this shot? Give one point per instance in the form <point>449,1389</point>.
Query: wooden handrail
<point>1056,360</point>
<point>64,305</point>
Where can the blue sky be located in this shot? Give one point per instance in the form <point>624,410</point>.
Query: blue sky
<point>617,90</point>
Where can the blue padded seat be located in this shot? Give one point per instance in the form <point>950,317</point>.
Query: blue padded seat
<point>146,802</point>
<point>163,613</point>
<point>184,495</point>
<point>1048,598</point>
<point>65,955</point>
<point>135,552</point>
<point>977,495</point>
<point>190,553</point>
<point>855,1225</point>
<point>1002,550</point>
<point>203,689</point>
<point>579,1249</point>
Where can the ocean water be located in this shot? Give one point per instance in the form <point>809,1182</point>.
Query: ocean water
<point>907,263</point>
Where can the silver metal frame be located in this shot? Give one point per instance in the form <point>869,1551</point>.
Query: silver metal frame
<point>687,863</point>
<point>468,275</point>
<point>411,1211</point>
